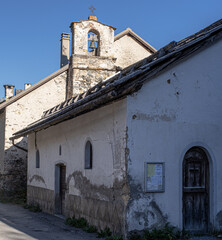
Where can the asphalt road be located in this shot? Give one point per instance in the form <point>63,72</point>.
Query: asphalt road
<point>17,223</point>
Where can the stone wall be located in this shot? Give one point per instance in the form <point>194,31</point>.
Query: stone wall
<point>100,213</point>
<point>2,144</point>
<point>80,32</point>
<point>2,137</point>
<point>18,115</point>
<point>87,71</point>
<point>42,197</point>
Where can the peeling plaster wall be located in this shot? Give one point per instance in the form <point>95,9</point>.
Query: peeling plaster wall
<point>178,109</point>
<point>99,194</point>
<point>18,115</point>
<point>128,51</point>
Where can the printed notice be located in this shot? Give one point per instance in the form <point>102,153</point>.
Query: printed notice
<point>154,177</point>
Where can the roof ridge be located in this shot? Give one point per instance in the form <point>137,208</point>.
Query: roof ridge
<point>201,32</point>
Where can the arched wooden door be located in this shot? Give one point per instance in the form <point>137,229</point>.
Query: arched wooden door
<point>196,191</point>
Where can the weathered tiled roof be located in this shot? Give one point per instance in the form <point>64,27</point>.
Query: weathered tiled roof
<point>127,81</point>
<point>200,33</point>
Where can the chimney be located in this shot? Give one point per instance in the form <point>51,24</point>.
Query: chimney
<point>27,85</point>
<point>17,91</point>
<point>92,18</point>
<point>65,39</point>
<point>9,91</point>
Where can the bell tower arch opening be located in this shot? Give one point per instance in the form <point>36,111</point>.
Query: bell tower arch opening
<point>93,43</point>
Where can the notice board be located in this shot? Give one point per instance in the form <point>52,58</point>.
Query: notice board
<point>154,177</point>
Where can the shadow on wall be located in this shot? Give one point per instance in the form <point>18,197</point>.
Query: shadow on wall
<point>13,177</point>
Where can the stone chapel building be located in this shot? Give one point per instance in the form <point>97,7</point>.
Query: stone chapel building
<point>95,55</point>
<point>139,149</point>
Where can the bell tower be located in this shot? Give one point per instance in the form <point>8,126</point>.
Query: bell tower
<point>92,59</point>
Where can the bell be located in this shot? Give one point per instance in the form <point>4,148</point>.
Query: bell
<point>92,45</point>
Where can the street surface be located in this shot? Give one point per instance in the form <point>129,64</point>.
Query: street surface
<point>17,223</point>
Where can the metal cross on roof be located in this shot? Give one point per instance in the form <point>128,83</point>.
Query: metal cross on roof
<point>92,9</point>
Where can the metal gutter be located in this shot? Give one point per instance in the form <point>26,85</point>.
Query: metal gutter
<point>21,148</point>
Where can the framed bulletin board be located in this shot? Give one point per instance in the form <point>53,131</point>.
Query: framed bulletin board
<point>154,177</point>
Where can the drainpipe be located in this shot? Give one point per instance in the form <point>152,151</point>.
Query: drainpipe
<point>16,145</point>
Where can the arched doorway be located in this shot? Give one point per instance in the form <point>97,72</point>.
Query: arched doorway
<point>196,191</point>
<point>60,188</point>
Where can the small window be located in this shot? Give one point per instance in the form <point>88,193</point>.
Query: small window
<point>60,150</point>
<point>88,155</point>
<point>37,158</point>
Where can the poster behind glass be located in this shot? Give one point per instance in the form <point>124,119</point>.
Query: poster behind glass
<point>154,180</point>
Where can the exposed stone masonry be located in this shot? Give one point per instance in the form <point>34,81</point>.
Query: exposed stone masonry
<point>41,197</point>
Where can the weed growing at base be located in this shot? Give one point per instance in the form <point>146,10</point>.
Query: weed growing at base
<point>33,208</point>
<point>83,224</point>
<point>166,233</point>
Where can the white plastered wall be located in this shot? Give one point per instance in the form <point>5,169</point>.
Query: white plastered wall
<point>178,109</point>
<point>128,51</point>
<point>104,127</point>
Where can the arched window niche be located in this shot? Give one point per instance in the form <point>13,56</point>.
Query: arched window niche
<point>37,159</point>
<point>60,150</point>
<point>88,155</point>
<point>93,43</point>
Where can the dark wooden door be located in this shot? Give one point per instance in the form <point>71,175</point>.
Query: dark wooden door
<point>196,191</point>
<point>60,189</point>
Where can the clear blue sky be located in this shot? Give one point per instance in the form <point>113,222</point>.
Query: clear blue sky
<point>30,29</point>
